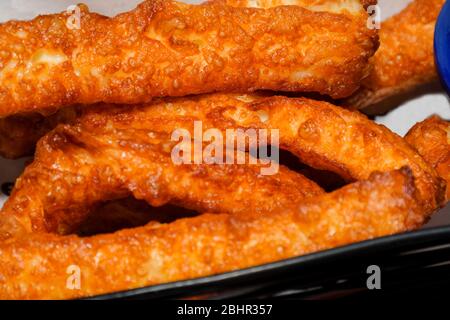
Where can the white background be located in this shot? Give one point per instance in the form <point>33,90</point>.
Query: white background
<point>400,120</point>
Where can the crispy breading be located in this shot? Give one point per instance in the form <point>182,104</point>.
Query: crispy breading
<point>405,59</point>
<point>431,138</point>
<point>351,7</point>
<point>205,188</point>
<point>99,159</point>
<point>322,135</point>
<point>36,266</point>
<point>112,152</point>
<point>19,134</point>
<point>167,48</point>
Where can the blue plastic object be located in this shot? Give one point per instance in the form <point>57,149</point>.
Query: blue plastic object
<point>442,45</point>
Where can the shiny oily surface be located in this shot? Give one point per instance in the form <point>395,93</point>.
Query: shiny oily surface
<point>168,48</point>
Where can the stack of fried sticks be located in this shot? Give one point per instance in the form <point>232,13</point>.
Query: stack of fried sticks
<point>104,98</point>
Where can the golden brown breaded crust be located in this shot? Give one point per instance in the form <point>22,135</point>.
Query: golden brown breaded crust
<point>20,133</point>
<point>35,267</point>
<point>335,6</point>
<point>431,138</point>
<point>167,48</point>
<point>322,135</point>
<point>405,58</point>
<point>77,167</point>
<point>68,198</point>
<point>113,151</point>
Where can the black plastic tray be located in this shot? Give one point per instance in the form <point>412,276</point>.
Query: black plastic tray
<point>411,261</point>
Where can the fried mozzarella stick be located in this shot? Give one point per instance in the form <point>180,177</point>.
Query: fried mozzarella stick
<point>76,168</point>
<point>168,48</point>
<point>112,152</point>
<point>322,135</point>
<point>38,266</point>
<point>336,6</point>
<point>405,59</point>
<point>431,138</point>
<point>19,134</point>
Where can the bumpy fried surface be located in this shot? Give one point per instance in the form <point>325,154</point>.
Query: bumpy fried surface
<point>336,6</point>
<point>112,152</point>
<point>405,58</point>
<point>36,266</point>
<point>20,133</point>
<point>70,196</point>
<point>431,138</point>
<point>100,159</point>
<point>167,48</point>
<point>322,135</point>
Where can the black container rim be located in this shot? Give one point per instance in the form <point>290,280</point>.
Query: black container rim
<point>416,240</point>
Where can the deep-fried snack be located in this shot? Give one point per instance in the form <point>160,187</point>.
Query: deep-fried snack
<point>76,167</point>
<point>431,138</point>
<point>320,134</point>
<point>204,188</point>
<point>36,266</point>
<point>336,6</point>
<point>168,48</point>
<point>112,152</point>
<point>20,133</point>
<point>405,59</point>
